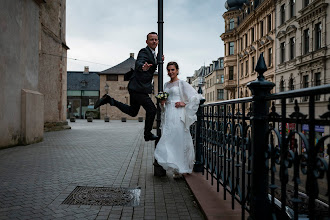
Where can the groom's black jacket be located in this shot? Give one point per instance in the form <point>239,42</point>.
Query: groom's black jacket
<point>141,80</point>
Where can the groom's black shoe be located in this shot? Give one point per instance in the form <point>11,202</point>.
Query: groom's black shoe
<point>150,137</point>
<point>104,100</point>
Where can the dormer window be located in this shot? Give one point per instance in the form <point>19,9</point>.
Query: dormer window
<point>83,83</point>
<point>221,63</point>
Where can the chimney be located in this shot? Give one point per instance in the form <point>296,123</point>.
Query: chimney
<point>131,55</point>
<point>86,70</point>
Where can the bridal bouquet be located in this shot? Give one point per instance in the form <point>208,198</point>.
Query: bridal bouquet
<point>162,95</point>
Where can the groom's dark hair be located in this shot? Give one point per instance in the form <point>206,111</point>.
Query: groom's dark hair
<point>151,33</point>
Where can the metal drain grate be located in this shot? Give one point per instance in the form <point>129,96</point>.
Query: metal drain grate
<point>103,196</point>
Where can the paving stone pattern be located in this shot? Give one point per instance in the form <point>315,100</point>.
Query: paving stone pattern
<point>36,179</point>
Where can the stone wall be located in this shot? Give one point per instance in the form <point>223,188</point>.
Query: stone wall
<point>33,83</point>
<point>53,66</point>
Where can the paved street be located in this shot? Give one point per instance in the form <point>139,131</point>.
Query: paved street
<point>36,179</point>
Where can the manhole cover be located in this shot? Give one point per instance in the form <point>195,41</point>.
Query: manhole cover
<point>103,196</point>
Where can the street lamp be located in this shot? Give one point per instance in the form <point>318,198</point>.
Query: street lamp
<point>106,118</point>
<point>106,88</point>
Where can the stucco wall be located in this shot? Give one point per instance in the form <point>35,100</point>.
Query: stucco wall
<point>19,28</point>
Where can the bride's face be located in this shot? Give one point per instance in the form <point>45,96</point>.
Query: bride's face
<point>172,71</point>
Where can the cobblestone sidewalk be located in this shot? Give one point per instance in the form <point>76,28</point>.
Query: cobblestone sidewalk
<point>36,179</point>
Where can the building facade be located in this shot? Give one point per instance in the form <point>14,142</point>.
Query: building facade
<point>249,32</point>
<point>113,79</point>
<point>83,92</point>
<point>214,82</point>
<point>302,54</point>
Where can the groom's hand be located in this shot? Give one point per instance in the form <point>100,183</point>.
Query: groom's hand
<point>146,66</point>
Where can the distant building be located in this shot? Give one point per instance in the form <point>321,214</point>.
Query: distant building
<point>83,92</point>
<point>198,79</point>
<point>189,79</point>
<point>114,78</point>
<point>214,82</point>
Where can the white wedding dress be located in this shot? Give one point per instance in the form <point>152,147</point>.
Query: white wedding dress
<point>175,149</point>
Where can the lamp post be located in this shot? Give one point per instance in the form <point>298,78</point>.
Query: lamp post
<point>106,118</point>
<point>158,170</point>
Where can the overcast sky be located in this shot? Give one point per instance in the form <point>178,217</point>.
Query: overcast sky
<point>107,31</point>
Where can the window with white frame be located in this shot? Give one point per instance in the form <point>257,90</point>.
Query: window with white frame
<point>220,94</point>
<point>231,24</point>
<point>231,73</point>
<point>306,41</point>
<point>282,50</point>
<point>292,48</point>
<point>292,8</point>
<point>270,56</point>
<point>231,48</point>
<point>282,14</point>
<point>318,35</point>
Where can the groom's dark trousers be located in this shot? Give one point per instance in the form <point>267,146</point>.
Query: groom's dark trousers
<point>136,101</point>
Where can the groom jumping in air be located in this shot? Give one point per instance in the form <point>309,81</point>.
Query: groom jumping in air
<point>139,87</point>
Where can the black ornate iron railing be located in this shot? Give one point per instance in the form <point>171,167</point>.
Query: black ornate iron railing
<point>275,164</point>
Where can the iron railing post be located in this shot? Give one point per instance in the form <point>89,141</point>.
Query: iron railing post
<point>259,204</point>
<point>199,166</point>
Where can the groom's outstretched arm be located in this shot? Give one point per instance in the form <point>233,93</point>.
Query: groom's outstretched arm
<point>141,59</point>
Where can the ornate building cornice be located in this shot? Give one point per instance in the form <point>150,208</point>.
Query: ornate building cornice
<point>229,35</point>
<point>312,12</point>
<point>230,14</point>
<point>256,14</point>
<point>289,29</point>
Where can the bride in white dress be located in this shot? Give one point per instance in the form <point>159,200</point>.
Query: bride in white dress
<point>175,148</point>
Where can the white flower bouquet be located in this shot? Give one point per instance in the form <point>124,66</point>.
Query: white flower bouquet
<point>162,95</point>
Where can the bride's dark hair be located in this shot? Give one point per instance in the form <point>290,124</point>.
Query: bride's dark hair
<point>174,64</point>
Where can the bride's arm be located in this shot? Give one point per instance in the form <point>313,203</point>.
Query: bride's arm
<point>191,100</point>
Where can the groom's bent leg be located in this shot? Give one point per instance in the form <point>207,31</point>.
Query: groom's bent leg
<point>131,110</point>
